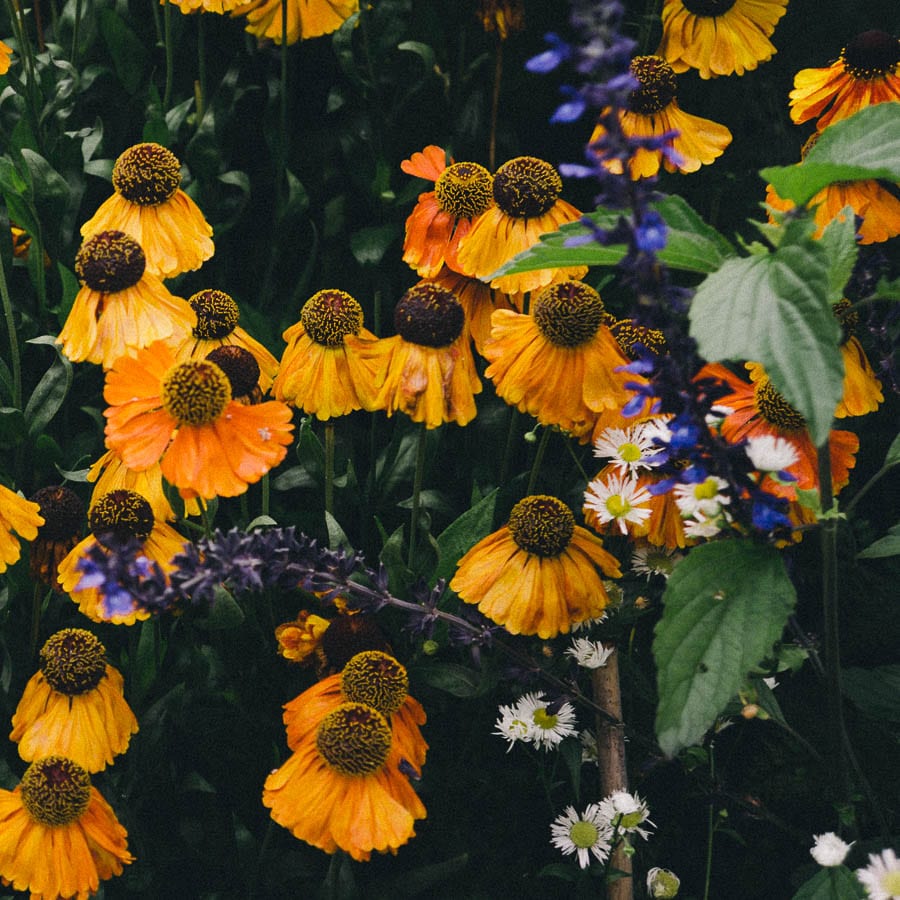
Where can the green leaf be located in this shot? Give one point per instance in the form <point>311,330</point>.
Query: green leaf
<point>889,545</point>
<point>831,883</point>
<point>452,678</point>
<point>49,186</point>
<point>125,48</point>
<point>369,244</point>
<point>775,309</point>
<point>225,612</point>
<point>48,396</point>
<point>423,51</point>
<point>13,429</point>
<point>461,535</point>
<point>17,194</point>
<point>70,288</point>
<point>893,454</point>
<point>887,290</point>
<point>725,606</point>
<point>839,241</point>
<point>693,246</point>
<point>870,138</point>
<point>875,691</point>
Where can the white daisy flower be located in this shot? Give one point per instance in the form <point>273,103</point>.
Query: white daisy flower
<point>626,813</point>
<point>881,877</point>
<point>511,726</point>
<point>619,500</point>
<point>662,883</point>
<point>548,723</point>
<point>650,560</point>
<point>586,834</point>
<point>590,654</point>
<point>629,449</point>
<point>701,527</point>
<point>704,497</point>
<point>769,453</point>
<point>829,850</point>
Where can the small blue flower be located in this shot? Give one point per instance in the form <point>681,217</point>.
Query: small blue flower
<point>651,233</point>
<point>558,52</point>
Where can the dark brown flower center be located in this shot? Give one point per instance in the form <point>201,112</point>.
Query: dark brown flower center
<point>568,314</point>
<point>240,368</point>
<point>872,54</point>
<point>110,261</point>
<point>430,315</point>
<point>55,791</point>
<point>122,514</point>
<point>464,190</point>
<point>348,635</point>
<point>329,316</point>
<point>658,85</point>
<point>354,739</point>
<point>775,410</point>
<point>147,174</point>
<point>62,510</point>
<point>708,7</point>
<point>526,187</point>
<point>542,525</point>
<point>73,661</point>
<point>217,315</point>
<point>196,392</point>
<point>376,679</point>
<point>631,337</point>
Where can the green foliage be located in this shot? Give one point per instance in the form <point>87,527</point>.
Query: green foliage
<point>831,883</point>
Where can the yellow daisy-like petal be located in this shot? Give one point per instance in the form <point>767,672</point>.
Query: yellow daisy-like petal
<point>211,6</point>
<point>20,516</point>
<point>862,389</point>
<point>5,54</point>
<point>305,18</point>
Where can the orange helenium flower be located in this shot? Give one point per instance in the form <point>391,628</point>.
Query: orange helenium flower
<point>299,640</point>
<point>864,74</point>
<point>538,574</point>
<point>527,204</point>
<point>654,111</point>
<point>74,705</point>
<point>5,54</point>
<point>58,836</point>
<point>20,516</point>
<point>305,18</point>
<point>121,306</point>
<point>427,370</point>
<point>149,205</point>
<point>126,515</point>
<point>862,389</point>
<point>322,371</point>
<point>182,416</point>
<point>558,362</point>
<point>443,217</point>
<point>719,37</point>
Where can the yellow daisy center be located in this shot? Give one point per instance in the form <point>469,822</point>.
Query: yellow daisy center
<point>430,315</point>
<point>583,834</point>
<point>617,506</point>
<point>629,335</point>
<point>848,317</point>
<point>568,314</point>
<point>73,661</point>
<point>329,316</point>
<point>542,525</point>
<point>195,393</point>
<point>526,187</point>
<point>630,820</point>
<point>775,409</point>
<point>708,7</point>
<point>55,791</point>
<point>464,190</point>
<point>240,367</point>
<point>354,739</point>
<point>657,85</point>
<point>147,174</point>
<point>890,883</point>
<point>217,315</point>
<point>870,55</point>
<point>376,679</point>
<point>629,452</point>
<point>122,513</point>
<point>706,490</point>
<point>544,719</point>
<point>110,261</point>
<point>62,510</point>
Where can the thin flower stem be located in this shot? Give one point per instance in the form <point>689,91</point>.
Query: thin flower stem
<point>710,824</point>
<point>507,450</point>
<point>200,87</point>
<point>329,467</point>
<point>75,27</point>
<point>416,497</point>
<point>37,602</point>
<point>283,103</point>
<point>495,106</point>
<point>868,486</point>
<point>170,60</point>
<point>15,359</point>
<point>538,459</point>
<point>204,517</point>
<point>264,485</point>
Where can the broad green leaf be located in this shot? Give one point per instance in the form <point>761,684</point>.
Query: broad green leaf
<point>889,545</point>
<point>693,246</point>
<point>459,536</point>
<point>125,48</point>
<point>775,309</point>
<point>725,606</point>
<point>831,883</point>
<point>875,691</point>
<point>50,187</point>
<point>337,537</point>
<point>454,679</point>
<point>839,241</point>
<point>369,244</point>
<point>863,146</point>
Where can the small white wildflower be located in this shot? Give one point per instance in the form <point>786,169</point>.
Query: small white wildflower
<point>548,723</point>
<point>590,654</point>
<point>829,850</point>
<point>618,499</point>
<point>881,878</point>
<point>662,883</point>
<point>701,527</point>
<point>704,497</point>
<point>629,449</point>
<point>511,726</point>
<point>650,560</point>
<point>626,813</point>
<point>585,834</point>
<point>769,453</point>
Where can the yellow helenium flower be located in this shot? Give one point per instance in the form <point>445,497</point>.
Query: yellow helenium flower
<point>20,516</point>
<point>300,639</point>
<point>74,705</point>
<point>5,54</point>
<point>305,18</point>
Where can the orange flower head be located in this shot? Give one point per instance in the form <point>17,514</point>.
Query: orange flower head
<point>862,389</point>
<point>20,516</point>
<point>63,514</point>
<point>74,705</point>
<point>867,72</point>
<point>443,217</point>
<point>60,838</point>
<point>5,54</point>
<point>527,204</point>
<point>537,574</point>
<point>322,370</point>
<point>149,204</point>
<point>182,416</point>
<point>426,370</point>
<point>299,641</point>
<point>305,18</point>
<point>121,307</point>
<point>559,362</point>
<point>719,37</point>
<point>653,110</point>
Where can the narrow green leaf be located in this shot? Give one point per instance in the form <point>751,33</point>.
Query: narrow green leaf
<point>462,534</point>
<point>831,883</point>
<point>893,454</point>
<point>889,545</point>
<point>48,396</point>
<point>725,606</point>
<point>453,678</point>
<point>125,48</point>
<point>775,309</point>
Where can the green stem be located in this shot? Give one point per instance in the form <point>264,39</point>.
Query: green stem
<point>868,486</point>
<point>265,493</point>
<point>329,467</point>
<point>37,601</point>
<point>538,459</point>
<point>283,107</point>
<point>508,448</point>
<point>495,106</point>
<point>204,517</point>
<point>710,824</point>
<point>200,90</point>
<point>170,60</point>
<point>75,27</point>
<point>417,492</point>
<point>15,359</point>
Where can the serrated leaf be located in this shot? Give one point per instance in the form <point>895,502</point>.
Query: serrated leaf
<point>692,246</point>
<point>725,606</point>
<point>839,241</point>
<point>831,883</point>
<point>775,309</point>
<point>889,545</point>
<point>864,146</point>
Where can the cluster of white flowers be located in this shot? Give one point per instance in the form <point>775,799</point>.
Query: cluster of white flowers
<point>589,654</point>
<point>535,720</point>
<point>702,505</point>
